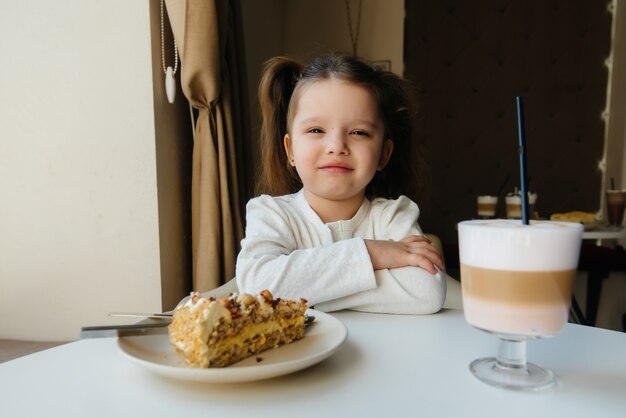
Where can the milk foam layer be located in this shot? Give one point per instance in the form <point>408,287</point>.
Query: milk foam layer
<point>488,199</point>
<point>507,244</point>
<point>517,199</point>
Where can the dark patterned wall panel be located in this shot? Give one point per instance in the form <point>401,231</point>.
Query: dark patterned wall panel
<point>469,59</point>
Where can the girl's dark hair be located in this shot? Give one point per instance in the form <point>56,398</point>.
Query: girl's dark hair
<point>283,78</point>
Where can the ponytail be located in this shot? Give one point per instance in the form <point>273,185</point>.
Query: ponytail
<point>279,79</point>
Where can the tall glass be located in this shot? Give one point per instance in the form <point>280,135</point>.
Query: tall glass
<point>517,284</point>
<point>615,203</point>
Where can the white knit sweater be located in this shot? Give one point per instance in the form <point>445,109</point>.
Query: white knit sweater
<point>291,252</point>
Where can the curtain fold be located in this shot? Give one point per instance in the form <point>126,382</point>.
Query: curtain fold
<point>204,30</point>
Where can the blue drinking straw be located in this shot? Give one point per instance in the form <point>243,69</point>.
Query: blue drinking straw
<point>522,158</point>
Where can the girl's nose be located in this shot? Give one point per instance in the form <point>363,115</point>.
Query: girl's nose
<point>337,143</point>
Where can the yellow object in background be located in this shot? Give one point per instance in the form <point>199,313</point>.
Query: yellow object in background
<point>575,216</point>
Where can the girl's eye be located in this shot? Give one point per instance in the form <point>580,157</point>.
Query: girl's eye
<point>360,132</point>
<point>314,131</point>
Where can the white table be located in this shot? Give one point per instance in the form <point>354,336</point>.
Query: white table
<point>390,366</point>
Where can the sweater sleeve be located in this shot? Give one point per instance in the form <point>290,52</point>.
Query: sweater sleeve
<point>271,258</point>
<point>405,290</point>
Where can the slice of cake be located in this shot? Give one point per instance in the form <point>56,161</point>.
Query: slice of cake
<point>217,332</point>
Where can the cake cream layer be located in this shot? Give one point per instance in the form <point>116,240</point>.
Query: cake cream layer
<point>507,244</point>
<point>260,329</point>
<point>253,339</point>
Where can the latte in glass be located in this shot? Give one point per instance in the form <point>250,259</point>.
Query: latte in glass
<point>517,279</point>
<point>487,206</point>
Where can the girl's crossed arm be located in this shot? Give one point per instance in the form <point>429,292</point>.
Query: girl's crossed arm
<point>413,250</point>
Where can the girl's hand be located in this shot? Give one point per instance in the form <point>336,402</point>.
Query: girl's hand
<point>413,250</point>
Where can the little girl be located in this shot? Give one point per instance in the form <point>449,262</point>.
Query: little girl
<point>333,226</point>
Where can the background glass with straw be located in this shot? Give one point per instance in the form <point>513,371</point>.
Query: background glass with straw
<point>517,278</point>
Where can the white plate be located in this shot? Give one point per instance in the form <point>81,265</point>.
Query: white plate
<point>322,338</point>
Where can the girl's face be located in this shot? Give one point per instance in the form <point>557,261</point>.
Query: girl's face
<point>336,142</point>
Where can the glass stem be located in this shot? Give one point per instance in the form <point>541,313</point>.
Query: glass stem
<point>512,355</point>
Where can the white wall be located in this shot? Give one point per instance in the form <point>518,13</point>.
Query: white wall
<point>78,192</point>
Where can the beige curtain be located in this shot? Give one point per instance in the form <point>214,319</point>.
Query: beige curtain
<point>204,32</point>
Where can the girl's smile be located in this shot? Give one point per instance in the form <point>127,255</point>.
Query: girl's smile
<point>336,167</point>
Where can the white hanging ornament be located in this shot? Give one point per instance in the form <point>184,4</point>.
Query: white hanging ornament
<point>170,85</point>
<point>170,81</point>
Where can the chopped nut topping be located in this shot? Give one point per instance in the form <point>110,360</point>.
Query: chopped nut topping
<point>266,295</point>
<point>247,299</point>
